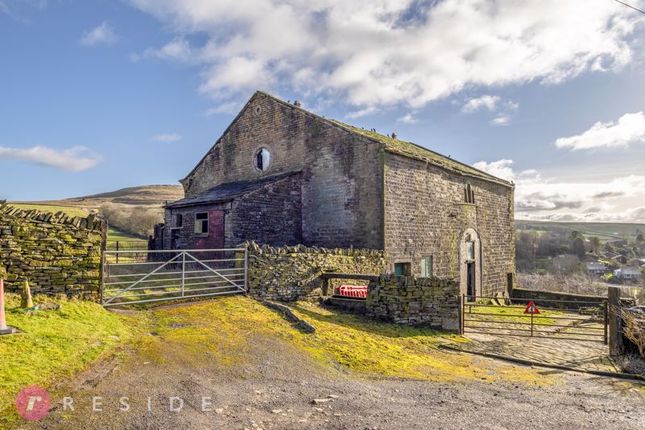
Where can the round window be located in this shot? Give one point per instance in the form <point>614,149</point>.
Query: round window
<point>262,160</point>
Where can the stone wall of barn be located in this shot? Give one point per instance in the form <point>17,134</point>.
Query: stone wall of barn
<point>271,214</point>
<point>293,273</point>
<point>56,253</point>
<point>426,215</point>
<point>415,301</point>
<point>342,177</point>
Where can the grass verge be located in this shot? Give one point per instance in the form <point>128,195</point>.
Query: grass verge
<point>54,345</point>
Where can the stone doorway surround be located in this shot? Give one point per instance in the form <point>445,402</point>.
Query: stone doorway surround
<point>470,239</point>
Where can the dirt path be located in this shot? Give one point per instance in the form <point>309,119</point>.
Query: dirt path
<point>276,386</point>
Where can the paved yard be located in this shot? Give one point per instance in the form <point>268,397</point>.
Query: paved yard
<point>264,380</point>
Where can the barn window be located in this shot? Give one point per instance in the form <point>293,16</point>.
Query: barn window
<point>470,251</point>
<point>179,220</point>
<point>402,269</point>
<point>469,194</point>
<point>426,266</point>
<point>201,223</point>
<point>262,160</point>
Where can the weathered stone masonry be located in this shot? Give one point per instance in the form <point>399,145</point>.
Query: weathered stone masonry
<point>58,254</point>
<point>293,273</point>
<point>425,214</point>
<point>415,301</point>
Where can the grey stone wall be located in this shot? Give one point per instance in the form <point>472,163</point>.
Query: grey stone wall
<point>342,175</point>
<point>293,273</point>
<point>54,252</point>
<point>415,301</point>
<point>425,214</point>
<point>272,214</point>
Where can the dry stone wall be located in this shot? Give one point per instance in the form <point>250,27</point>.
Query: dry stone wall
<point>415,301</point>
<point>293,272</point>
<point>56,253</point>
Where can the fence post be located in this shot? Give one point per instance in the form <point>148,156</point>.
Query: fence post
<point>616,346</point>
<point>183,271</point>
<point>605,321</point>
<point>117,252</point>
<point>246,269</point>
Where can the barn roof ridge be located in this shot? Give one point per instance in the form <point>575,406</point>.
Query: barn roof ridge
<point>392,145</point>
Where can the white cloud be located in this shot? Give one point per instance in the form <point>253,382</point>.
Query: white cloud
<point>408,118</point>
<point>176,50</point>
<point>361,112</point>
<point>167,137</point>
<point>500,168</point>
<point>505,108</point>
<point>484,102</point>
<point>628,130</point>
<point>75,159</point>
<point>551,199</point>
<point>376,53</point>
<point>501,120</point>
<point>100,35</point>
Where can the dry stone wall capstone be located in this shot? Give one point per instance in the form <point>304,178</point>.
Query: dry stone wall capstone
<point>56,253</point>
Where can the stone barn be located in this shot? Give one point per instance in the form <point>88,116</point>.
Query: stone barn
<point>281,175</point>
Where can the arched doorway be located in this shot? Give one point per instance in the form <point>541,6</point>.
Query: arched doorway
<point>470,257</point>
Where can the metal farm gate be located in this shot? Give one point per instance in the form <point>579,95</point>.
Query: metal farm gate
<point>554,319</point>
<point>142,276</point>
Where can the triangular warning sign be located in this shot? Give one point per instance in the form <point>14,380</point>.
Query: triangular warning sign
<point>531,308</point>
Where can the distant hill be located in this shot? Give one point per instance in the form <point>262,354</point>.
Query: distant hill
<point>604,230</point>
<point>132,211</point>
<point>145,195</point>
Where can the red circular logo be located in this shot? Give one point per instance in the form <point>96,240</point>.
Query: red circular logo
<point>33,403</point>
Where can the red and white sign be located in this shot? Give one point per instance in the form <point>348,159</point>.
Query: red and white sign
<point>353,291</point>
<point>531,308</point>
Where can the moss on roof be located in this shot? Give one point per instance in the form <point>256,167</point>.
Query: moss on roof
<point>418,152</point>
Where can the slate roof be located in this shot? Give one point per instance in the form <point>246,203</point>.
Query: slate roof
<point>227,192</point>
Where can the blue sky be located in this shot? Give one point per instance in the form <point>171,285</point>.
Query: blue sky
<point>99,95</point>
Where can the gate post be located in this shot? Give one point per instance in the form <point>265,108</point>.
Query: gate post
<point>616,346</point>
<point>462,309</point>
<point>246,269</point>
<point>183,271</point>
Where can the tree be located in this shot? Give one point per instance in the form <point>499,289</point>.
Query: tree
<point>578,247</point>
<point>640,238</point>
<point>595,244</point>
<point>576,235</point>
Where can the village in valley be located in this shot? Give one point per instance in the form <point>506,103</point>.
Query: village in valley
<point>278,215</point>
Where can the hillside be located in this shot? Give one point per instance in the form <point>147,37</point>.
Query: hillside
<point>605,231</point>
<point>145,195</point>
<point>131,212</point>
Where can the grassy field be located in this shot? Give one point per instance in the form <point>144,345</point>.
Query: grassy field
<point>54,345</point>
